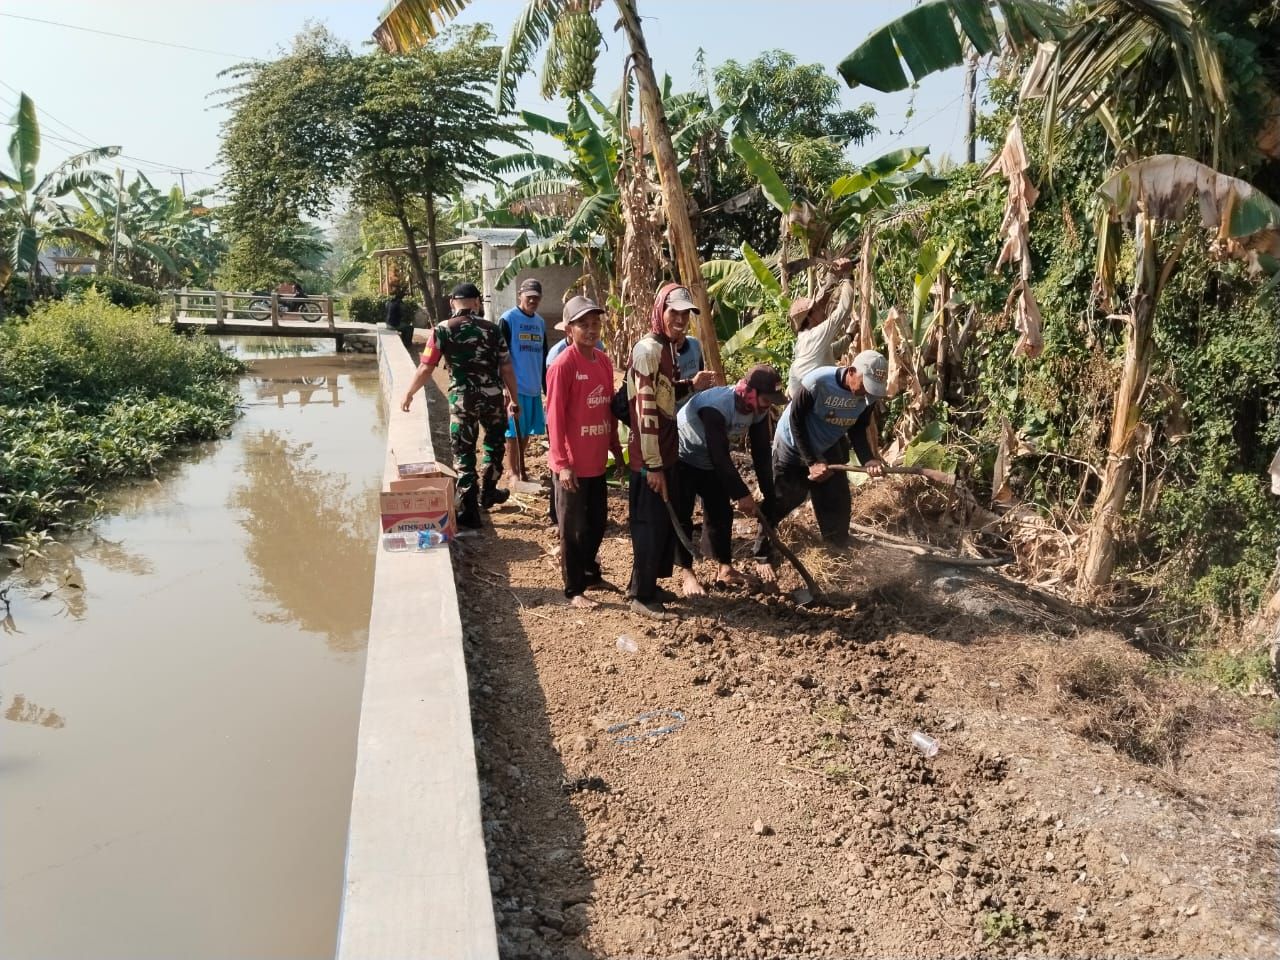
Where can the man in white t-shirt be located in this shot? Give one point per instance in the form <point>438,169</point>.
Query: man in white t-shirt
<point>821,325</point>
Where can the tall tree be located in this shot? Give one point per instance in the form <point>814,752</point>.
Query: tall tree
<point>572,43</point>
<point>421,130</point>
<point>285,147</point>
<point>790,112</point>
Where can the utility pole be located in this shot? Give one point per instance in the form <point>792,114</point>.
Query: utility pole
<point>115,233</point>
<point>182,175</point>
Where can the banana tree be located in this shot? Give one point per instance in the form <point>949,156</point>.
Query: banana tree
<point>31,211</point>
<point>573,203</point>
<point>749,286</point>
<point>1157,75</point>
<point>1151,193</point>
<point>828,224</point>
<point>572,45</point>
<point>164,239</point>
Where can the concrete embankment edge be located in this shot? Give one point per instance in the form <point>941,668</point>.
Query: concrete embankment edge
<point>417,883</point>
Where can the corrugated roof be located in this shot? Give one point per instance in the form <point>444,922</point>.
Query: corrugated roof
<point>503,236</point>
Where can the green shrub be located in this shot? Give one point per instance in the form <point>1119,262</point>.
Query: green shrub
<point>364,309</point>
<point>122,293</point>
<point>90,392</point>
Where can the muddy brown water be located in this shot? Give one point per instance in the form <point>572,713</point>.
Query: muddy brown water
<point>180,689</point>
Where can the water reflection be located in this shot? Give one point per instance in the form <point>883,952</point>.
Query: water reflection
<point>22,710</point>
<point>306,387</point>
<point>310,540</point>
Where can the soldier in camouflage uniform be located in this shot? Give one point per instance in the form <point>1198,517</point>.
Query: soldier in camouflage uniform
<point>479,367</point>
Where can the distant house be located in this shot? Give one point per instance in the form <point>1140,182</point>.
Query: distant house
<point>60,263</point>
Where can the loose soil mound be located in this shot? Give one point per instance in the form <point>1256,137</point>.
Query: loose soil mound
<point>744,783</point>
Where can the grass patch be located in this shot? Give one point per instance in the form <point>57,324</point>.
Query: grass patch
<point>1000,925</point>
<point>1119,703</point>
<point>1228,670</point>
<point>837,713</point>
<point>1268,721</point>
<point>838,772</point>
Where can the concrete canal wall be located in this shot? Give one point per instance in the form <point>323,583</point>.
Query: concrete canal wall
<point>416,883</point>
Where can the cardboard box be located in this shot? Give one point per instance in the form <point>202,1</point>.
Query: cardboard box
<point>424,501</point>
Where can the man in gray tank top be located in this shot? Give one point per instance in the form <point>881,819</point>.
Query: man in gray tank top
<point>709,425</point>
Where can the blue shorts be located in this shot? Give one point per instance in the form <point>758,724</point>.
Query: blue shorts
<point>533,422</point>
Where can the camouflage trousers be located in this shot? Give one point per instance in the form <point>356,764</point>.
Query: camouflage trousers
<point>467,421</point>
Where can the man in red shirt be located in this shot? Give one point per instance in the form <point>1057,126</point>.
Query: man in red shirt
<point>580,426</point>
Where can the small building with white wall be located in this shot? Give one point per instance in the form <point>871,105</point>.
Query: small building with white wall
<point>498,247</point>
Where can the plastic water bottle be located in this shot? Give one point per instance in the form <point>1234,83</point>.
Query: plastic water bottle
<point>419,540</point>
<point>431,538</point>
<point>398,542</point>
<point>626,644</point>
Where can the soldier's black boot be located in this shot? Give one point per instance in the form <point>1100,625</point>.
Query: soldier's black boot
<point>492,494</point>
<point>469,515</point>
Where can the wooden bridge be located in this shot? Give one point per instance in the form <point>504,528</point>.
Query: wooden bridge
<point>234,313</point>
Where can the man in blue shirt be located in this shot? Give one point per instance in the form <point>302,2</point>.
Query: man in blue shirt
<point>526,334</point>
<point>831,410</point>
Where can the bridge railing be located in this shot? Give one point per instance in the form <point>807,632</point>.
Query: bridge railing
<point>224,305</point>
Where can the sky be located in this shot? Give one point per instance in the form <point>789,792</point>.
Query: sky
<point>156,96</point>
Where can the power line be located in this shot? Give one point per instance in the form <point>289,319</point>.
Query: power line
<point>61,123</point>
<point>159,165</point>
<point>919,123</point>
<point>125,36</point>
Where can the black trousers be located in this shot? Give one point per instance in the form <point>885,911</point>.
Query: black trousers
<point>652,539</point>
<point>832,502</point>
<point>717,512</point>
<point>405,329</point>
<point>582,517</point>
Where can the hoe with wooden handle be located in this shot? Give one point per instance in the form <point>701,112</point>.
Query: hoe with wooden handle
<point>935,476</point>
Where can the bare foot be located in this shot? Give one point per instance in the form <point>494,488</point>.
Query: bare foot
<point>768,579</point>
<point>582,603</point>
<point>731,579</point>
<point>690,586</point>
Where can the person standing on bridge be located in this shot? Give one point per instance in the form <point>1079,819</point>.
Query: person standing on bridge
<point>479,368</point>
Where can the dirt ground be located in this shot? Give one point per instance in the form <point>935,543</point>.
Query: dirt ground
<point>744,783</point>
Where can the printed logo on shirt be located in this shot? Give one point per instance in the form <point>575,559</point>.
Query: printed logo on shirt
<point>595,430</point>
<point>597,396</point>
